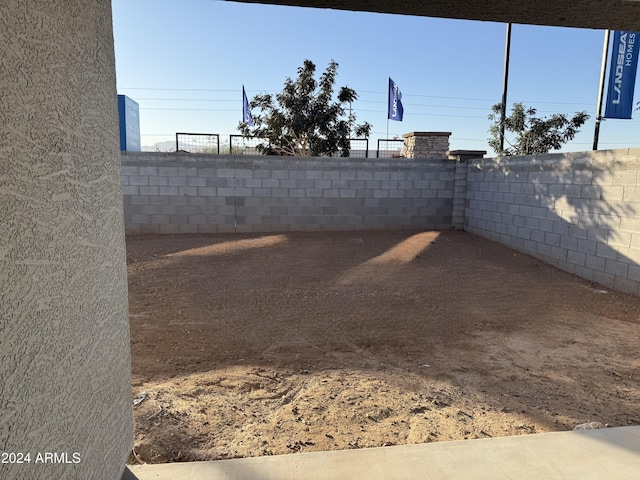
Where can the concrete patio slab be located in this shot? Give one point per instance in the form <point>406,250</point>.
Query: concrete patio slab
<point>611,453</point>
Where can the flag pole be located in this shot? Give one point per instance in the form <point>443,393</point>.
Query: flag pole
<point>388,97</point>
<point>605,54</point>
<point>503,105</point>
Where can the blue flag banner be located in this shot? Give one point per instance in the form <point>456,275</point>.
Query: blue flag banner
<point>246,113</point>
<point>622,74</point>
<point>396,110</point>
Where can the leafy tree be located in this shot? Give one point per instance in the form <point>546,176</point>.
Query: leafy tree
<point>303,120</point>
<point>532,134</point>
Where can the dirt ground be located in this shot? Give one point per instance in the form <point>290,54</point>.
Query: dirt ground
<point>249,345</point>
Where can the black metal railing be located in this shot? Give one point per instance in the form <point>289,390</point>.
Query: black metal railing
<point>390,148</point>
<point>198,142</point>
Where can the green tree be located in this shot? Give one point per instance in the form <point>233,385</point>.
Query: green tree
<point>304,120</point>
<point>533,134</point>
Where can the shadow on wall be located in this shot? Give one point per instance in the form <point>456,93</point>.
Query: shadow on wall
<point>577,211</point>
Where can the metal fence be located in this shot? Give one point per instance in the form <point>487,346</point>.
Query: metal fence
<point>240,145</point>
<point>359,147</point>
<point>390,148</point>
<point>198,142</point>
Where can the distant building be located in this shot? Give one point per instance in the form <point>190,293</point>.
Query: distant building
<point>129,124</point>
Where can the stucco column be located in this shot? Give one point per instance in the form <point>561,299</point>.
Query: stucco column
<point>65,395</point>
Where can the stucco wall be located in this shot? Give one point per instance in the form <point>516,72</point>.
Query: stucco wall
<point>186,193</point>
<point>578,211</point>
<point>64,337</point>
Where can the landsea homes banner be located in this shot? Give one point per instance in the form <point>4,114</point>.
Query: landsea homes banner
<point>622,74</point>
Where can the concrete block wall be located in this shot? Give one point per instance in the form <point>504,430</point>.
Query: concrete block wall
<point>577,211</point>
<point>187,193</point>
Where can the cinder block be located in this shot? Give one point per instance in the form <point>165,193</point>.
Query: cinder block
<point>625,177</point>
<point>573,191</point>
<point>390,184</point>
<point>288,183</point>
<point>271,183</point>
<point>339,183</point>
<point>395,176</point>
<point>185,228</point>
<point>296,192</point>
<point>207,191</point>
<point>331,175</point>
<point>159,219</point>
<point>559,253</point>
<point>626,285</point>
<point>178,181</point>
<point>382,176</point>
<point>561,228</point>
<point>158,181</point>
<point>570,243</point>
<point>591,191</point>
<point>225,173</point>
<point>131,190</point>
<point>616,268</point>
<point>524,233</point>
<point>262,192</point>
<point>164,190</point>
<point>196,181</point>
<point>584,272</point>
<point>631,194</point>
<point>619,239</point>
<point>253,183</point>
<point>532,223</point>
<point>138,180</point>
<point>169,229</point>
<point>313,174</point>
<point>140,219</point>
<point>187,171</point>
<point>612,193</point>
<point>129,170</point>
<point>348,175</point>
<point>243,173</point>
<point>630,225</point>
<point>190,191</point>
<point>552,239</point>
<point>604,278</point>
<point>168,171</point>
<point>331,193</point>
<point>605,251</point>
<point>634,273</point>
<point>322,184</point>
<point>146,190</point>
<point>148,171</point>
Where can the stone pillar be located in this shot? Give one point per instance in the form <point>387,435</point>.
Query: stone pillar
<point>461,157</point>
<point>64,332</point>
<point>429,145</point>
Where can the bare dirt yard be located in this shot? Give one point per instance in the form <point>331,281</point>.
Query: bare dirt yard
<point>249,345</point>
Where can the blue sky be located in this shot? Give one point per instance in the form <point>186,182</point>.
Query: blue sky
<point>185,64</point>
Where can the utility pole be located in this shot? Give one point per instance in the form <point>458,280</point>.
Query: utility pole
<point>605,54</point>
<point>503,109</point>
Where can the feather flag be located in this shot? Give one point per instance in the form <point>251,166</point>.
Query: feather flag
<point>396,110</point>
<point>246,112</point>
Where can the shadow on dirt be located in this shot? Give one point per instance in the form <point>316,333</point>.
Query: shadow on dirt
<point>434,323</point>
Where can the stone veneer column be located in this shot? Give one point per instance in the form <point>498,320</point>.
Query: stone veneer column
<point>64,332</point>
<point>461,157</point>
<point>431,145</point>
